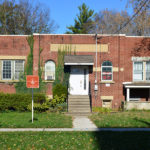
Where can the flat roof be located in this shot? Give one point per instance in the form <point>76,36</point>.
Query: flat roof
<point>37,34</point>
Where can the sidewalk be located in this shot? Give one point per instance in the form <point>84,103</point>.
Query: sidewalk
<point>80,123</point>
<point>73,129</point>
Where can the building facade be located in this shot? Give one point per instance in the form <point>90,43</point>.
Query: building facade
<point>111,68</point>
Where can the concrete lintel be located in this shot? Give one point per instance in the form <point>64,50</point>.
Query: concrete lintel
<point>12,57</point>
<point>107,97</point>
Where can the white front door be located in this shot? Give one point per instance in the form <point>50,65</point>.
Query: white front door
<point>79,80</point>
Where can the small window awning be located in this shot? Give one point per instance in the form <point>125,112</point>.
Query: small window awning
<point>78,60</point>
<point>136,84</point>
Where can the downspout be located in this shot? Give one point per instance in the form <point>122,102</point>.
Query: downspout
<point>96,60</point>
<point>96,86</point>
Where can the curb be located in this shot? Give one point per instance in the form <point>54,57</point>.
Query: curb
<point>72,129</point>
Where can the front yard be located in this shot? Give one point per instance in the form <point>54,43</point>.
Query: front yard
<point>122,119</point>
<point>75,140</point>
<point>103,140</point>
<point>41,120</point>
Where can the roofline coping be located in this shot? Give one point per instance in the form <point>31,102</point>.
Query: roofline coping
<point>37,34</point>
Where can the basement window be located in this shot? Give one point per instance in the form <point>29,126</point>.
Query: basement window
<point>107,103</point>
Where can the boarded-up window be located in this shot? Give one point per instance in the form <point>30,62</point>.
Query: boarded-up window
<point>107,104</point>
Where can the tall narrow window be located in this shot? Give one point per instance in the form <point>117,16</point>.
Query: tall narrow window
<point>19,68</point>
<point>7,69</point>
<point>84,79</point>
<point>148,70</point>
<point>106,71</point>
<point>138,71</point>
<point>49,70</point>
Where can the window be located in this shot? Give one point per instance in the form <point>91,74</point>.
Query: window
<point>11,69</point>
<point>19,68</point>
<point>107,103</point>
<point>106,71</point>
<point>141,71</point>
<point>148,70</point>
<point>7,69</point>
<point>49,70</point>
<point>138,71</point>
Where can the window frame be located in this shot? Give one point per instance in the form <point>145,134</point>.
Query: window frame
<point>45,76</point>
<point>142,71</point>
<point>146,71</point>
<point>15,68</point>
<point>12,69</point>
<point>3,69</point>
<point>106,67</point>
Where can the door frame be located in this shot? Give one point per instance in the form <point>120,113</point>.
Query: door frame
<point>87,80</point>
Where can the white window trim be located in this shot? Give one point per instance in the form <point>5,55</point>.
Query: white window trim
<point>45,77</point>
<point>144,72</point>
<point>133,72</point>
<point>15,68</point>
<point>102,72</point>
<point>12,70</point>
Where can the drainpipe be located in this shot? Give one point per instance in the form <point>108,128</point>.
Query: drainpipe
<point>96,59</point>
<point>96,62</point>
<point>96,85</point>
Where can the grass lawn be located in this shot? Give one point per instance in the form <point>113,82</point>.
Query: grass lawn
<point>122,119</point>
<point>75,140</point>
<point>42,120</point>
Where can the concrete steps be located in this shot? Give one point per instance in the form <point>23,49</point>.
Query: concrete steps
<point>79,105</point>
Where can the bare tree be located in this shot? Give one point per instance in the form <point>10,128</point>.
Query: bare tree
<point>141,22</point>
<point>108,21</point>
<point>24,18</point>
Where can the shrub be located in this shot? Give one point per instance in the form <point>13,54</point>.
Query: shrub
<point>101,110</point>
<point>59,90</point>
<point>59,108</point>
<point>57,100</point>
<point>19,102</point>
<point>62,107</point>
<point>38,107</point>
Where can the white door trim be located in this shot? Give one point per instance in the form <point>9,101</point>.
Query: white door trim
<point>79,80</point>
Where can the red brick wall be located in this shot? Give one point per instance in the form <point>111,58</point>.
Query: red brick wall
<point>12,46</point>
<point>121,49</point>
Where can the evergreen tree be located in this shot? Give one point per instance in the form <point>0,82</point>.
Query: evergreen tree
<point>83,21</point>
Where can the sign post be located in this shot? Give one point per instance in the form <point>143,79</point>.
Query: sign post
<point>32,81</point>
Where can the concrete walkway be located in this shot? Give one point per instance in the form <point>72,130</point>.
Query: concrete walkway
<point>83,123</point>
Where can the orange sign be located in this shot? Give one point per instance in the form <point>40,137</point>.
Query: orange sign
<point>32,81</point>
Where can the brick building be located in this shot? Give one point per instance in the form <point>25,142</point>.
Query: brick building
<point>112,68</point>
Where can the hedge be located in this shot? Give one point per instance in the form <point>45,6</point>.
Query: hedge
<point>19,102</point>
<point>59,90</point>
